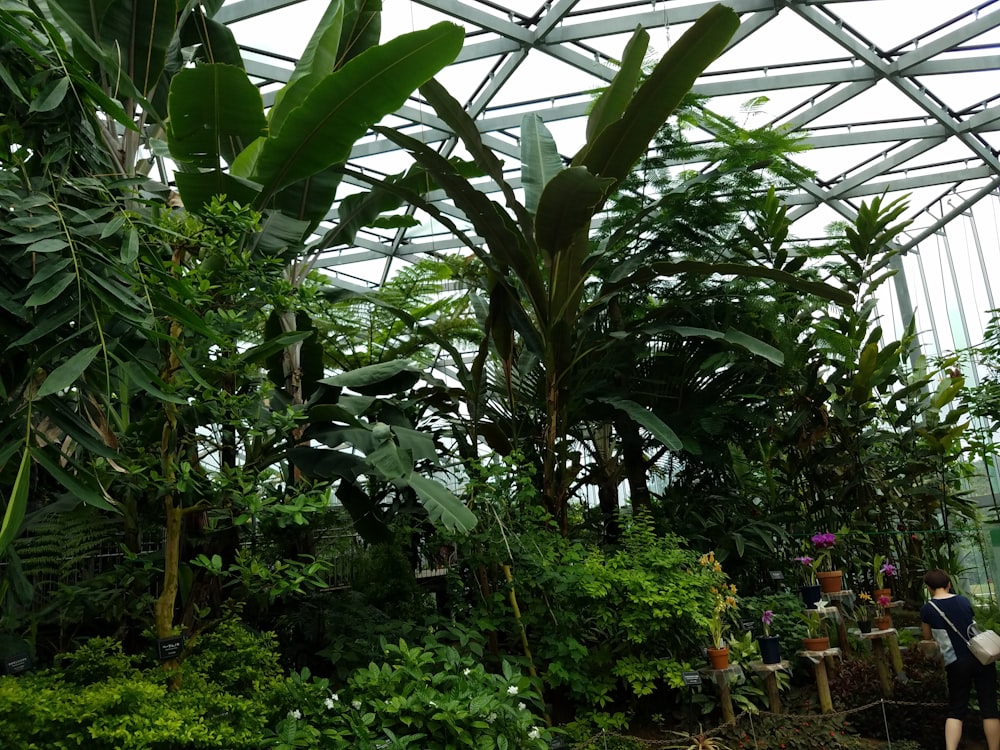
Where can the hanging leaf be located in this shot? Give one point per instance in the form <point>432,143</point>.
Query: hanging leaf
<point>17,503</point>
<point>442,506</point>
<point>51,96</point>
<point>68,372</point>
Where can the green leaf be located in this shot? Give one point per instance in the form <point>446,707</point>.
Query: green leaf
<point>567,205</point>
<point>755,346</point>
<point>441,505</point>
<point>318,59</point>
<point>73,483</point>
<point>540,160</point>
<point>141,32</point>
<point>68,372</point>
<point>130,247</point>
<point>610,105</point>
<point>50,291</point>
<point>209,106</point>
<point>377,379</point>
<point>339,110</point>
<point>50,96</point>
<point>51,245</point>
<point>17,503</point>
<point>644,417</point>
<point>619,145</point>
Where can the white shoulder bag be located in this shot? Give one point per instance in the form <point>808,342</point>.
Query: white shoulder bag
<point>984,646</point>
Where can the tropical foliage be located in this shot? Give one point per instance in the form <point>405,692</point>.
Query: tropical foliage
<point>495,493</point>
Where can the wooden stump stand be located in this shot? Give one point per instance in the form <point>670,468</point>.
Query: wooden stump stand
<point>721,679</point>
<point>819,660</point>
<point>771,681</point>
<point>885,650</point>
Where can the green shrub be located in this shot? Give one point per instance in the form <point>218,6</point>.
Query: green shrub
<point>428,697</point>
<point>124,713</point>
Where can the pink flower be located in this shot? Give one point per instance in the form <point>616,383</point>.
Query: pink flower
<point>884,601</point>
<point>889,569</point>
<point>805,560</point>
<point>824,540</point>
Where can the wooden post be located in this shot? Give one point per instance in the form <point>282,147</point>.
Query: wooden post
<point>819,660</point>
<point>894,655</point>
<point>823,687</point>
<point>770,672</point>
<point>837,598</point>
<point>721,678</point>
<point>878,652</point>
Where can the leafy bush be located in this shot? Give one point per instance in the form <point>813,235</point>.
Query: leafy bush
<point>125,713</point>
<point>425,697</point>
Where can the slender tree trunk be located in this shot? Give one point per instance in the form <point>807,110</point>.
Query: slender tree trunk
<point>635,465</point>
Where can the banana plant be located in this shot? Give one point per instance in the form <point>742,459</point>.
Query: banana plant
<point>538,252</point>
<point>288,163</point>
<point>133,48</point>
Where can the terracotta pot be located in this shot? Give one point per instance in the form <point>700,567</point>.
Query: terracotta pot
<point>883,622</point>
<point>770,649</point>
<point>881,592</point>
<point>811,595</point>
<point>816,644</point>
<point>865,626</point>
<point>830,580</point>
<point>719,657</point>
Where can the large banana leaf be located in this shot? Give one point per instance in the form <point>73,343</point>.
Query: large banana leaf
<point>134,33</point>
<point>540,160</point>
<point>339,110</point>
<point>318,59</point>
<point>619,145</point>
<point>210,105</point>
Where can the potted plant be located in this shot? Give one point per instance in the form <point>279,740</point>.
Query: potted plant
<point>830,580</point>
<point>882,569</point>
<point>863,612</point>
<point>882,620</point>
<point>810,590</point>
<point>770,645</point>
<point>723,603</point>
<point>816,638</point>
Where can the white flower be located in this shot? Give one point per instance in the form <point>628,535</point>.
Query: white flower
<point>512,690</point>
<point>432,703</point>
<point>334,697</point>
<point>466,671</point>
<point>356,704</point>
<point>521,706</point>
<point>295,714</point>
<point>492,717</point>
<point>329,702</point>
<point>534,734</point>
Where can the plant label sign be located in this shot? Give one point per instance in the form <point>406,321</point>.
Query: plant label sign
<point>777,576</point>
<point>169,648</point>
<point>17,664</point>
<point>747,626</point>
<point>691,679</point>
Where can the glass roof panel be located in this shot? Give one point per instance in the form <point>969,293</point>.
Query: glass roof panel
<point>891,93</point>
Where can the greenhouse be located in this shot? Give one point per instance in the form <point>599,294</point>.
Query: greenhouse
<point>444,374</point>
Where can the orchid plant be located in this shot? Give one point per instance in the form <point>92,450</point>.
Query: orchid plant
<point>724,602</point>
<point>863,607</point>
<point>882,568</point>
<point>767,618</point>
<point>808,569</point>
<point>824,543</point>
<point>882,604</point>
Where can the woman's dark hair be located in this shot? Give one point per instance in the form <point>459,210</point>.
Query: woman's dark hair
<point>936,579</point>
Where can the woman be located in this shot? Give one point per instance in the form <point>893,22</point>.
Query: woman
<point>963,669</point>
